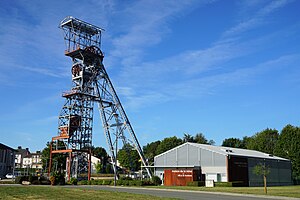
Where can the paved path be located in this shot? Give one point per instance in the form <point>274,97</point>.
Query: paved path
<point>182,194</point>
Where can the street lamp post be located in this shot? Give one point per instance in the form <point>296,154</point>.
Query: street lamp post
<point>13,158</point>
<point>116,148</point>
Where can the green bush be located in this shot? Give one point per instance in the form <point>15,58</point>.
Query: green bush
<point>135,183</point>
<point>35,182</point>
<point>83,182</point>
<point>156,180</point>
<point>147,182</point>
<point>45,182</point>
<point>196,183</point>
<point>73,181</point>
<point>230,184</point>
<point>126,178</point>
<point>238,184</point>
<point>107,182</point>
<point>223,184</point>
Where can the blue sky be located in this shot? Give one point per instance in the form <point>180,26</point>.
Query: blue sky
<point>223,68</point>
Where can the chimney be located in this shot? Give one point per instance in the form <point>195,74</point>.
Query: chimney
<point>27,151</point>
<point>19,147</point>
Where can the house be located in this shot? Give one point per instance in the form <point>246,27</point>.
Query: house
<point>33,160</point>
<point>7,155</point>
<point>94,161</point>
<point>20,154</point>
<point>221,164</point>
<point>36,160</point>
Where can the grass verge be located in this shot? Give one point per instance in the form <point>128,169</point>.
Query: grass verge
<point>50,192</point>
<point>286,191</point>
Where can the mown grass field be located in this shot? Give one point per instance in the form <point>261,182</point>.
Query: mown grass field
<point>50,192</point>
<point>286,191</point>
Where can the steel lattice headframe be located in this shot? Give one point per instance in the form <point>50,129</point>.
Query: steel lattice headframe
<point>90,83</point>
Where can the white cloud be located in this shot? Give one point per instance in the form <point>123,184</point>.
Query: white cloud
<point>146,25</point>
<point>257,18</point>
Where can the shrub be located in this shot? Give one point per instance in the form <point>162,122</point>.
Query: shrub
<point>45,182</point>
<point>73,181</point>
<point>147,182</point>
<point>223,184</point>
<point>126,178</point>
<point>19,179</point>
<point>83,182</point>
<point>195,183</point>
<point>135,183</point>
<point>59,179</point>
<point>107,182</point>
<point>35,182</point>
<point>32,178</point>
<point>238,184</point>
<point>156,180</point>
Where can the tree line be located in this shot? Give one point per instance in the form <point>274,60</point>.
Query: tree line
<point>285,144</point>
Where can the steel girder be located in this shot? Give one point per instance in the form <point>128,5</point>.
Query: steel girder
<point>90,83</point>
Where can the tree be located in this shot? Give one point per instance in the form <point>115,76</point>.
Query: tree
<point>129,158</point>
<point>245,141</point>
<point>58,160</point>
<point>233,142</point>
<point>99,167</point>
<point>100,152</point>
<point>167,144</point>
<point>288,146</point>
<point>262,169</point>
<point>201,139</point>
<point>188,138</point>
<point>264,141</point>
<point>150,151</point>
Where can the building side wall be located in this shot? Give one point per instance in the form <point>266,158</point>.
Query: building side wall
<point>212,164</point>
<point>280,172</point>
<point>6,161</point>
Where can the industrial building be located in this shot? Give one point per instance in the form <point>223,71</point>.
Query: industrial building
<point>7,155</point>
<point>221,164</point>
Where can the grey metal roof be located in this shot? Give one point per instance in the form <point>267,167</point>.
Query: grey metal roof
<point>229,151</point>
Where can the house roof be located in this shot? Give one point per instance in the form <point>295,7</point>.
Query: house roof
<point>3,146</point>
<point>230,151</point>
<point>23,152</point>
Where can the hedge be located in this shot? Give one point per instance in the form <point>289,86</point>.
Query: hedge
<point>196,183</point>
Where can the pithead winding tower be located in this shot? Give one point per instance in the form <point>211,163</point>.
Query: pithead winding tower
<point>90,84</point>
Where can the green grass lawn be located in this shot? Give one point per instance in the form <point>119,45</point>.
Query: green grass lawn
<point>50,192</point>
<point>287,191</point>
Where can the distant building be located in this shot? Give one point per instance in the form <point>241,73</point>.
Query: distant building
<point>221,164</point>
<point>37,160</point>
<point>94,161</point>
<point>7,155</point>
<point>20,154</point>
<point>25,159</point>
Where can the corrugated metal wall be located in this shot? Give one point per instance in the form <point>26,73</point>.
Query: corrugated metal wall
<point>188,155</point>
<point>280,172</point>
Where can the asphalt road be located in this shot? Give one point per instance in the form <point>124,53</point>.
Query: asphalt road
<point>189,195</point>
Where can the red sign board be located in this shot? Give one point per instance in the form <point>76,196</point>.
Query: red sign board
<point>180,176</point>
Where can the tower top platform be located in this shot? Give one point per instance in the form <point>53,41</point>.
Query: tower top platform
<point>78,25</point>
<point>79,34</point>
